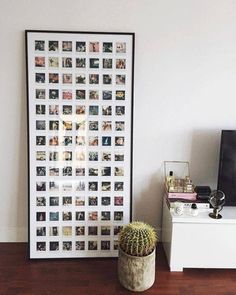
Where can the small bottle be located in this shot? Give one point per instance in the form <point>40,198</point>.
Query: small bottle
<point>170,181</point>
<point>194,210</point>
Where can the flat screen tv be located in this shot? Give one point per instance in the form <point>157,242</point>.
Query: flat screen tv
<point>227,166</point>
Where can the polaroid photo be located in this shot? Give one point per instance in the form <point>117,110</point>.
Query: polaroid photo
<point>40,216</point>
<point>53,231</point>
<point>67,187</point>
<point>40,156</point>
<point>93,201</point>
<point>93,186</point>
<point>67,94</point>
<point>80,171</point>
<point>106,156</point>
<point>80,201</point>
<point>80,46</point>
<point>41,186</point>
<point>54,246</point>
<point>105,230</point>
<point>93,125</point>
<point>105,215</point>
<point>107,79</point>
<point>93,46</point>
<point>93,94</point>
<point>93,215</point>
<point>107,63</point>
<point>54,125</point>
<point>119,171</point>
<point>93,156</point>
<point>53,46</point>
<point>118,215</point>
<point>80,156</point>
<point>67,140</point>
<point>80,230</point>
<point>105,245</point>
<point>54,201</point>
<point>107,95</point>
<point>40,109</point>
<point>121,63</point>
<point>106,140</point>
<point>92,245</point>
<point>94,63</point>
<point>39,45</point>
<point>80,140</point>
<point>67,46</point>
<point>53,140</point>
<point>93,78</point>
<point>41,231</point>
<point>120,110</point>
<point>106,125</point>
<point>120,47</point>
<point>92,230</point>
<point>80,109</point>
<point>80,125</point>
<point>119,186</point>
<point>40,93</point>
<point>66,216</point>
<point>53,156</point>
<point>67,171</point>
<point>53,78</point>
<point>67,109</point>
<point>120,94</point>
<point>53,186</point>
<point>93,140</point>
<point>106,171</point>
<point>93,110</point>
<point>80,62</point>
<point>106,110</point>
<point>80,79</point>
<point>40,171</point>
<point>53,171</point>
<point>119,141</point>
<point>40,125</point>
<point>105,201</point>
<point>67,125</point>
<point>80,187</point>
<point>93,171</point>
<point>53,94</point>
<point>67,62</point>
<point>118,201</point>
<point>80,215</point>
<point>67,78</point>
<point>53,62</point>
<point>80,245</point>
<point>80,94</point>
<point>41,246</point>
<point>119,157</point>
<point>39,61</point>
<point>105,186</point>
<point>67,231</point>
<point>120,79</point>
<point>107,47</point>
<point>54,109</point>
<point>40,78</point>
<point>40,201</point>
<point>120,125</point>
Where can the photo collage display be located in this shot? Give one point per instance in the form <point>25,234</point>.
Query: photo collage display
<point>80,113</point>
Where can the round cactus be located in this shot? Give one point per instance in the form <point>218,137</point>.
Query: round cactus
<point>138,239</point>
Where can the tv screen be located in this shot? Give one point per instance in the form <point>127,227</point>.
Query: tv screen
<point>227,166</point>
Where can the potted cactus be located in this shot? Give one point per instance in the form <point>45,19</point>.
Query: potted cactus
<point>136,262</point>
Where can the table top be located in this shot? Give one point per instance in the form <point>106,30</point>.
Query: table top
<point>228,216</point>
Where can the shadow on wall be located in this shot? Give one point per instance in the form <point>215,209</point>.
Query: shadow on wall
<point>22,197</point>
<point>204,157</point>
<point>148,204</point>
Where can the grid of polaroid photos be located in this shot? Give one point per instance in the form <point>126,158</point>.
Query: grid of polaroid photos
<point>80,145</point>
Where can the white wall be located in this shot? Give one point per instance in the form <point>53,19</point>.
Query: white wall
<point>185,90</point>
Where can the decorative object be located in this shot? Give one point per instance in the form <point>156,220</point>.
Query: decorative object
<point>136,262</point>
<point>217,200</point>
<point>80,110</point>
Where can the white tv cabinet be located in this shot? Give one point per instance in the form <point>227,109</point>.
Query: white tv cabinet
<point>199,241</point>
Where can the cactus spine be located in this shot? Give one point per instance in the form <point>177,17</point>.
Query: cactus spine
<point>138,239</point>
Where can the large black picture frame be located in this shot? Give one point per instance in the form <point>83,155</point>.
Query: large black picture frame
<point>80,88</point>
